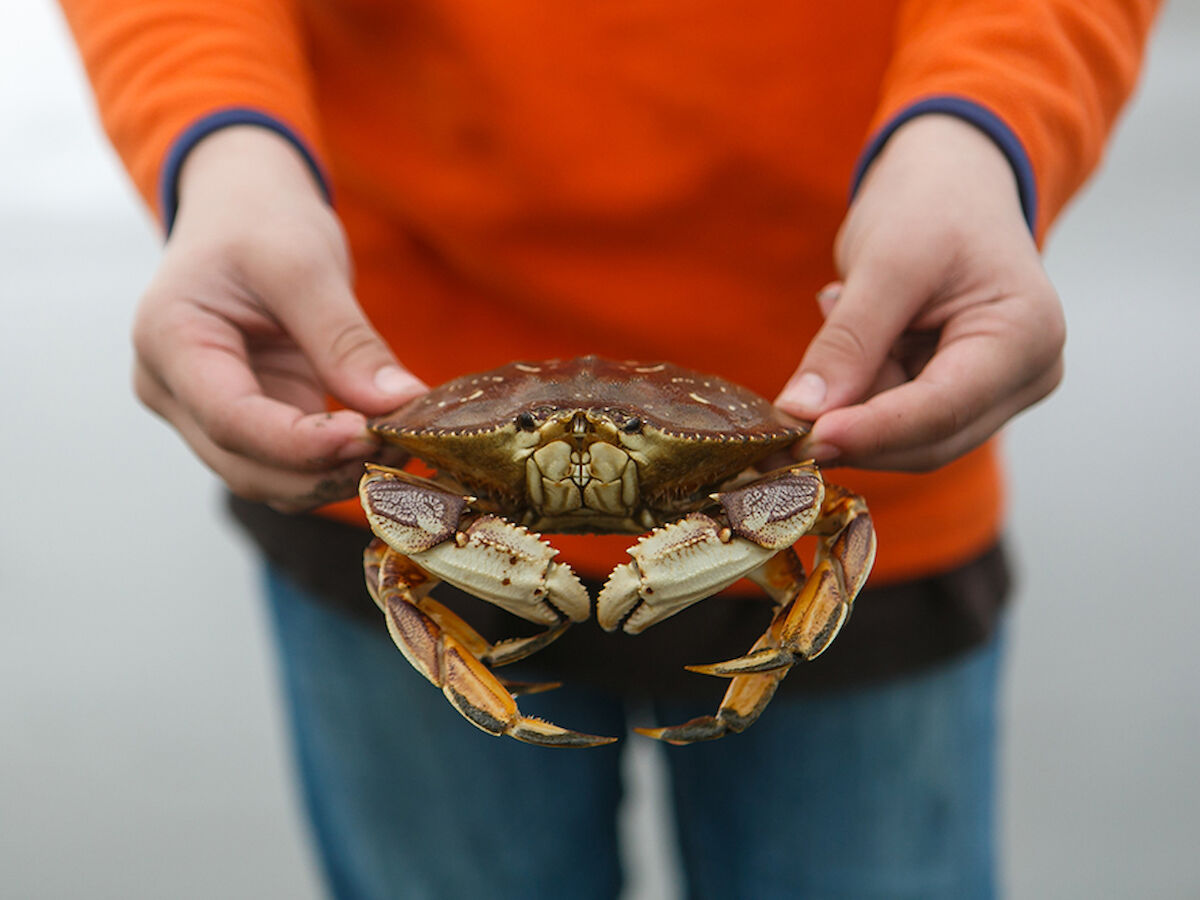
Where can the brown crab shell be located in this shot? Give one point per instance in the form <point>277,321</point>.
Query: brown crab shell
<point>697,430</point>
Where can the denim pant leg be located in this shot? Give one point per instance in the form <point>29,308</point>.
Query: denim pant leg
<point>408,800</point>
<point>883,792</point>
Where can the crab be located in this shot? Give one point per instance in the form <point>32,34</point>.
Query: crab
<point>596,446</point>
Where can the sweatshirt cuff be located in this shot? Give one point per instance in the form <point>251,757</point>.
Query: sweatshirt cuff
<point>979,116</point>
<point>168,186</point>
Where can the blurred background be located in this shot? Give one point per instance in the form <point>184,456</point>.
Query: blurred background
<point>141,747</point>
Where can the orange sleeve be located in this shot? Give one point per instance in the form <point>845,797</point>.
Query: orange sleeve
<point>168,72</point>
<point>1045,78</point>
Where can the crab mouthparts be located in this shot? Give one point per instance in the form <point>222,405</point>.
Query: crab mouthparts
<point>580,474</point>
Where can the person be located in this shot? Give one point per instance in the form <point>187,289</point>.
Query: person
<point>362,199</point>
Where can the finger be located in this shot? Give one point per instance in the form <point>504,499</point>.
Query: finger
<point>911,351</point>
<point>349,356</point>
<point>283,373</point>
<point>892,374</point>
<point>931,456</point>
<point>203,377</point>
<point>969,388</point>
<point>847,353</point>
<point>926,457</point>
<point>289,490</point>
<point>908,355</point>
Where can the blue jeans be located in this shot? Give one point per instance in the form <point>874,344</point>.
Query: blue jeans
<point>879,792</point>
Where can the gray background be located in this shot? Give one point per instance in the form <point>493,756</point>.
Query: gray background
<point>141,749</point>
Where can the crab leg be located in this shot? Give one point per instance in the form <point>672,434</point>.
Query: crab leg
<point>745,699</point>
<point>447,658</point>
<point>814,609</point>
<point>427,535</point>
<point>447,651</point>
<point>810,613</point>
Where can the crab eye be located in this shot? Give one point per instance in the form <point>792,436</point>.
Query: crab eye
<point>632,426</point>
<point>525,421</point>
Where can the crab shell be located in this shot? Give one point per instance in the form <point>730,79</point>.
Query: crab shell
<point>686,432</point>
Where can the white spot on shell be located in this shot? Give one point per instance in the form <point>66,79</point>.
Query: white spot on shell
<point>648,369</point>
<point>475,396</point>
<point>527,368</point>
<point>699,399</point>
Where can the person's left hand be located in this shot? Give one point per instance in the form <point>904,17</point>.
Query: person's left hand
<point>945,324</point>
<point>251,320</point>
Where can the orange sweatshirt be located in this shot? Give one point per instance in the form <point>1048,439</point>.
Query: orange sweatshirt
<point>649,180</point>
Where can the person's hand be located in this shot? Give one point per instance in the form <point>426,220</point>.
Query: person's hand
<point>250,320</point>
<point>944,325</point>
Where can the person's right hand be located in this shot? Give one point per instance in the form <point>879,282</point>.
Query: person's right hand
<point>250,321</point>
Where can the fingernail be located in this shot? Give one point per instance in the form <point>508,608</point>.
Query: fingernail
<point>394,381</point>
<point>830,292</point>
<point>806,393</point>
<point>828,296</point>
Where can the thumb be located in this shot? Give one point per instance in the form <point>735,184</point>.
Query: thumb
<point>350,358</point>
<point>847,354</point>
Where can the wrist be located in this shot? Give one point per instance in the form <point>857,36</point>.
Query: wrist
<point>981,121</point>
<point>219,122</point>
<point>244,160</point>
<point>954,163</point>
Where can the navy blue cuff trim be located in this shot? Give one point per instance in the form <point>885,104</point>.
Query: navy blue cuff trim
<point>979,116</point>
<point>168,187</point>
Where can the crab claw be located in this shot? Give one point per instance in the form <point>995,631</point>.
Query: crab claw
<point>671,568</point>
